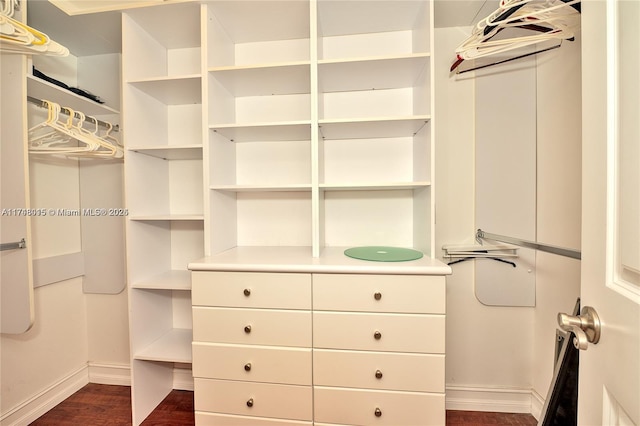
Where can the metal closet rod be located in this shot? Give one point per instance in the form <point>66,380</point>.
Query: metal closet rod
<point>574,254</point>
<point>42,104</point>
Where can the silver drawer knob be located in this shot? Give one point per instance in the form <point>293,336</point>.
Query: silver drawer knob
<point>378,412</point>
<point>247,329</point>
<point>377,295</point>
<point>378,374</point>
<point>247,367</point>
<point>247,292</point>
<point>377,335</point>
<point>250,402</point>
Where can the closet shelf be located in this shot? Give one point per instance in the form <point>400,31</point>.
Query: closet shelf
<point>365,128</point>
<point>371,73</point>
<point>173,90</point>
<point>41,89</point>
<point>380,186</point>
<point>262,132</point>
<point>263,188</point>
<point>167,217</point>
<point>174,346</point>
<point>187,152</point>
<point>264,80</point>
<point>170,280</point>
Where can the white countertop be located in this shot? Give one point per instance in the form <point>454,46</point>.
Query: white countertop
<point>299,259</point>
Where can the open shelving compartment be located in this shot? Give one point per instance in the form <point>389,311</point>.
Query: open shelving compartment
<point>374,124</point>
<point>259,85</point>
<point>164,170</point>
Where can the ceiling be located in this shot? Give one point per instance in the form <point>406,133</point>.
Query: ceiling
<point>95,34</point>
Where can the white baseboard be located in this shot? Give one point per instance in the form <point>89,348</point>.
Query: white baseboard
<point>105,374</point>
<point>183,379</point>
<point>110,374</point>
<point>537,403</point>
<point>497,399</point>
<point>115,374</point>
<point>45,400</point>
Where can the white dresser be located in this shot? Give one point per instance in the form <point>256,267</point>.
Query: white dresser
<point>281,338</point>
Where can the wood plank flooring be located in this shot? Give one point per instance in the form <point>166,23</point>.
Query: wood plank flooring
<point>108,405</point>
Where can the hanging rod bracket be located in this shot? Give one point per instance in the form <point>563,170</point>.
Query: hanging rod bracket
<point>574,254</point>
<point>13,246</point>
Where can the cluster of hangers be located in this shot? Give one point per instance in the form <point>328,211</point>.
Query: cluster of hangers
<point>70,138</point>
<point>502,31</point>
<point>16,37</point>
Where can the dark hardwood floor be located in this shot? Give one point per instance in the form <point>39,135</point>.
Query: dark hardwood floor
<point>108,405</point>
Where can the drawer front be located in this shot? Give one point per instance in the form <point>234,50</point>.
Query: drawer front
<point>251,290</point>
<point>379,332</point>
<point>253,399</point>
<point>379,293</point>
<point>379,370</point>
<point>368,407</point>
<point>252,363</point>
<point>252,326</point>
<point>213,419</point>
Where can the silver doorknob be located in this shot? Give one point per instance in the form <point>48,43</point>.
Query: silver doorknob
<point>586,327</point>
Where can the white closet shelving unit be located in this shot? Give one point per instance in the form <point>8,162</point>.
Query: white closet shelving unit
<point>260,118</point>
<point>320,124</point>
<point>374,117</point>
<point>162,104</point>
<point>266,123</point>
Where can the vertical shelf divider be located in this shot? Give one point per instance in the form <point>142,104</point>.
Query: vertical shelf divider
<point>316,201</point>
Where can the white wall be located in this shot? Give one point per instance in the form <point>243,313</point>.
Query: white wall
<point>54,348</point>
<point>489,349</point>
<point>496,356</point>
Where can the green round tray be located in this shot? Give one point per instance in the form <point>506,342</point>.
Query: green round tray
<point>383,253</point>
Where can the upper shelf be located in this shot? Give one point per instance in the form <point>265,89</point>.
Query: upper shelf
<point>369,128</point>
<point>290,131</point>
<point>44,90</point>
<point>178,90</point>
<point>371,73</point>
<point>260,80</point>
<point>189,152</point>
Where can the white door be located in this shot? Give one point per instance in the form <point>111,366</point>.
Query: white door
<point>609,380</point>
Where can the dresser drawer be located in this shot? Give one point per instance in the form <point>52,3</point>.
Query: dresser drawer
<point>378,370</point>
<point>368,407</point>
<point>251,290</point>
<point>214,419</point>
<point>252,363</point>
<point>379,293</point>
<point>253,399</point>
<point>379,332</point>
<point>252,326</point>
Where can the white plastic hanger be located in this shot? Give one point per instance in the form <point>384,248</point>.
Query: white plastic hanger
<point>69,137</point>
<point>543,20</point>
<point>16,37</point>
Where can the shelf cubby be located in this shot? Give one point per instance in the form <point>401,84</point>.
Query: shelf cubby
<point>257,33</point>
<point>372,28</point>
<point>162,48</point>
